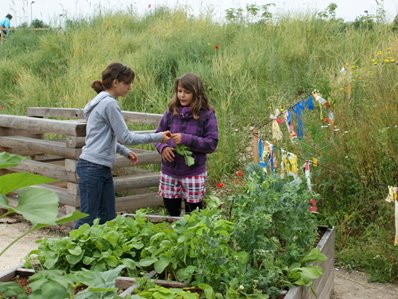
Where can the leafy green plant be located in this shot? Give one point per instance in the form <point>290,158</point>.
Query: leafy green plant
<point>82,284</point>
<point>37,205</point>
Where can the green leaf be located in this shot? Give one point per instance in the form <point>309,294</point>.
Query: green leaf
<point>12,290</point>
<point>184,151</point>
<point>208,290</point>
<point>37,205</point>
<point>75,251</point>
<point>145,262</point>
<point>315,255</point>
<point>161,264</point>
<point>8,160</point>
<point>76,215</point>
<point>189,161</point>
<point>74,259</point>
<point>185,274</point>
<point>14,181</point>
<point>112,237</point>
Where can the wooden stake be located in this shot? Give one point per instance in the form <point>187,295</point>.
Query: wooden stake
<point>256,157</point>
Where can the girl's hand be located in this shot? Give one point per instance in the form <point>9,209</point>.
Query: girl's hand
<point>166,136</point>
<point>168,154</point>
<point>133,158</point>
<point>176,137</point>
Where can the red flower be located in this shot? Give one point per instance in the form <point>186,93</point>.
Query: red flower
<point>220,185</point>
<point>216,47</point>
<point>326,119</point>
<point>239,173</point>
<point>313,208</point>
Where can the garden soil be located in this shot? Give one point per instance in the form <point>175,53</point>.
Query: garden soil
<point>347,285</point>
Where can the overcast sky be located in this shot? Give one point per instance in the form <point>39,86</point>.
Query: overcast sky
<point>53,11</point>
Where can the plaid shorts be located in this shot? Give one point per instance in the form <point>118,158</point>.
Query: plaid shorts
<point>191,189</point>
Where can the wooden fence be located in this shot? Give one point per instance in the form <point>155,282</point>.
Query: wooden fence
<point>53,138</point>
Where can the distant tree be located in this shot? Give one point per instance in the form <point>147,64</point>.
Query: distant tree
<point>366,21</point>
<point>36,23</point>
<point>254,13</point>
<point>329,13</point>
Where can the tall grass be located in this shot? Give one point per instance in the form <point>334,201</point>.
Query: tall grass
<point>249,70</point>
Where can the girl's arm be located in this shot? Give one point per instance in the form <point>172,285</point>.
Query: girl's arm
<point>123,134</point>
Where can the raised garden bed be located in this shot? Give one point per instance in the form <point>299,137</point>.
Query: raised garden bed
<point>323,287</point>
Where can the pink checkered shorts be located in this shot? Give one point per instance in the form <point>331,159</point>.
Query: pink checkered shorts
<point>191,189</point>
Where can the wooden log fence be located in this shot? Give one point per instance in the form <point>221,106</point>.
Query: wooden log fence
<point>135,187</point>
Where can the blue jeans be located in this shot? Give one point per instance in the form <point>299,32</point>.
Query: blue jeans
<point>97,193</point>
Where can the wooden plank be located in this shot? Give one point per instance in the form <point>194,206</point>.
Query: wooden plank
<point>18,132</point>
<point>76,113</point>
<point>7,275</point>
<point>140,181</point>
<point>135,202</point>
<point>41,126</point>
<point>65,198</point>
<point>46,169</point>
<point>142,118</point>
<point>48,112</point>
<point>294,293</point>
<point>157,218</point>
<point>20,144</point>
<point>328,287</point>
<point>144,157</point>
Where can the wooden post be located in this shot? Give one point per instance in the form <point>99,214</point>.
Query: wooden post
<point>256,157</point>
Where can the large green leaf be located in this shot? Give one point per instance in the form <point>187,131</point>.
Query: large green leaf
<point>161,264</point>
<point>37,205</point>
<point>14,181</point>
<point>76,215</point>
<point>9,160</point>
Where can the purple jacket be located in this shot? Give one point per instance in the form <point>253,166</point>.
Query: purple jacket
<point>200,135</point>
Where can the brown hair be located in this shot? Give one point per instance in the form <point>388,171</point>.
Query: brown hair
<point>117,71</point>
<point>193,83</point>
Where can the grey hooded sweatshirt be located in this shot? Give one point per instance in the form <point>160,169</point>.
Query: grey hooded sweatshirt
<point>106,131</point>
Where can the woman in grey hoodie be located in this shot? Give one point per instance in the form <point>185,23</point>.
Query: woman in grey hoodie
<point>106,131</point>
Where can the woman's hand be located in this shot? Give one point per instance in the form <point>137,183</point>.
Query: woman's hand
<point>168,154</point>
<point>133,158</point>
<point>166,136</point>
<point>176,137</point>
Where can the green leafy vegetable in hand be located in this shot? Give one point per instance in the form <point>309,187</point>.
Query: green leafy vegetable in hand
<point>184,151</point>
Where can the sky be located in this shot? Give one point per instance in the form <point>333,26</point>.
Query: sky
<point>54,12</point>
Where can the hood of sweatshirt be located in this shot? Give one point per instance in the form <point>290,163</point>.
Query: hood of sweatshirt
<point>94,102</point>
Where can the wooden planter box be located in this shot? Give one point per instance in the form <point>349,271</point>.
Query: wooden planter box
<point>323,286</point>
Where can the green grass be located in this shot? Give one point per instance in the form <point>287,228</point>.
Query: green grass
<point>249,70</point>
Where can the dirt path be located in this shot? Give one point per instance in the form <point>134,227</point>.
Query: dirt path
<point>351,285</point>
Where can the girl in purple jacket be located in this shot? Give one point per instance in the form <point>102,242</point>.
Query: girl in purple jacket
<point>194,126</point>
